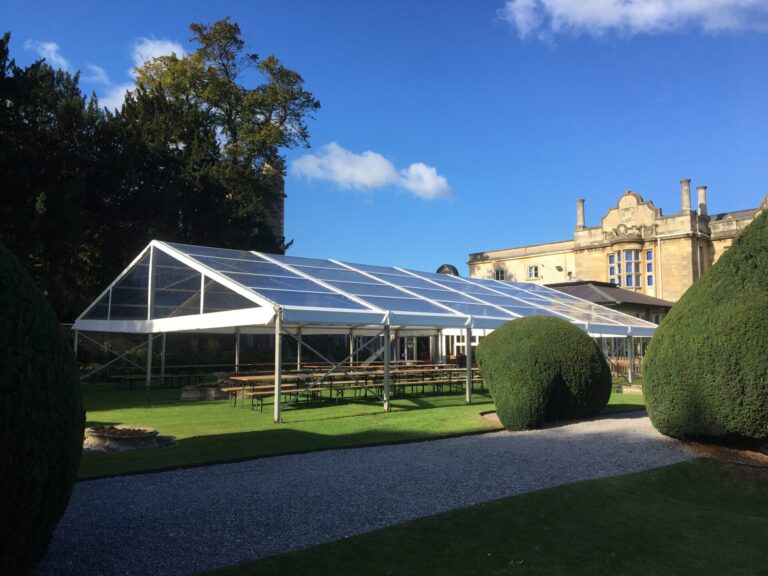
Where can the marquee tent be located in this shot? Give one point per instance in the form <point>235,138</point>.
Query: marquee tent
<point>173,287</point>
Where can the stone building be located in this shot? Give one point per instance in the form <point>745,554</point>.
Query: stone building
<point>634,247</point>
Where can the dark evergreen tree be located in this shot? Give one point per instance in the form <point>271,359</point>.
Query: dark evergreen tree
<point>193,156</point>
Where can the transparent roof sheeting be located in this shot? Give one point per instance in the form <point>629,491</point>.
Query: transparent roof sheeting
<point>178,283</point>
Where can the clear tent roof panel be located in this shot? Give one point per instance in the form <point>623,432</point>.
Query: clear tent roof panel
<point>379,294</point>
<point>328,291</point>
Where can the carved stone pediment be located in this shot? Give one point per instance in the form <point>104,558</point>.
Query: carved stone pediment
<point>624,233</point>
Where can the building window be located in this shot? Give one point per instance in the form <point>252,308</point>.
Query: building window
<point>649,267</point>
<point>650,280</point>
<point>631,268</point>
<point>498,273</point>
<point>648,255</point>
<point>533,272</point>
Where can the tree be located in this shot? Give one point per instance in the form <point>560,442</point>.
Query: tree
<point>254,124</point>
<point>41,429</point>
<point>541,369</point>
<point>192,156</point>
<point>706,368</point>
<point>51,193</point>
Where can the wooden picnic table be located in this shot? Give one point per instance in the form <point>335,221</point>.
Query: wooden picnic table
<point>260,386</point>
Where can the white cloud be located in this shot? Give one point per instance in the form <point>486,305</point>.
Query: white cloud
<point>96,75</point>
<point>114,96</point>
<point>545,18</point>
<point>368,171</point>
<point>147,48</point>
<point>50,51</point>
<point>347,169</point>
<point>424,182</point>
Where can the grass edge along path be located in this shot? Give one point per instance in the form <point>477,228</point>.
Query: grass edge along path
<point>214,433</point>
<point>699,517</point>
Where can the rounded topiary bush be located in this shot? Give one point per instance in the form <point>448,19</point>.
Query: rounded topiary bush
<point>541,369</point>
<point>41,419</point>
<point>706,368</point>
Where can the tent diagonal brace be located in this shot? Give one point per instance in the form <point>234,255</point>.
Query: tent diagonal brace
<point>334,366</point>
<point>118,356</point>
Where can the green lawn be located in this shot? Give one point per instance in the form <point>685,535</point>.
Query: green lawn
<point>210,432</point>
<point>696,518</point>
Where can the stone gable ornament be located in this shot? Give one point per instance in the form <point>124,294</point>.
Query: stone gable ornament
<point>627,214</point>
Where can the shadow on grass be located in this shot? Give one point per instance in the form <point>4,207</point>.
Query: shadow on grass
<point>621,408</point>
<point>240,446</point>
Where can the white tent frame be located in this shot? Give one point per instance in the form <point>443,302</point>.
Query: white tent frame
<point>268,317</point>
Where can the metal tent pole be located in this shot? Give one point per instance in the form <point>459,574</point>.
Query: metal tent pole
<point>630,357</point>
<point>468,391</point>
<point>298,349</point>
<point>387,351</point>
<point>351,347</point>
<point>237,349</point>
<point>162,358</point>
<point>150,306</point>
<point>278,364</point>
<point>150,339</point>
<point>76,341</point>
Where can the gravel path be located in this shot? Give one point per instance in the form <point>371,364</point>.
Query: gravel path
<point>187,521</point>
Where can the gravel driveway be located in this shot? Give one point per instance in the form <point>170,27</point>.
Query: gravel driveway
<point>187,521</point>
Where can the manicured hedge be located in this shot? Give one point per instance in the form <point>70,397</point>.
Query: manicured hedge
<point>41,419</point>
<point>706,368</point>
<point>543,369</point>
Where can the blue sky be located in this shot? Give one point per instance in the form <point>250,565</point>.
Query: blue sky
<point>452,127</point>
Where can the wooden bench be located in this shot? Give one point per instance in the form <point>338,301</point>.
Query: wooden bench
<point>257,397</point>
<point>244,389</point>
<point>341,386</point>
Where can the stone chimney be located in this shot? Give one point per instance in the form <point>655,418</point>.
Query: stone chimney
<point>686,192</point>
<point>580,214</point>
<point>702,204</point>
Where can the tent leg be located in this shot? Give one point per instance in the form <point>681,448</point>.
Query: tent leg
<point>75,344</point>
<point>298,350</point>
<point>351,348</point>
<point>162,357</point>
<point>150,340</point>
<point>278,366</point>
<point>468,388</point>
<point>237,349</point>
<point>387,350</point>
<point>630,357</point>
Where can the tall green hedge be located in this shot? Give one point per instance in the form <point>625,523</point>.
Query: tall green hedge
<point>41,419</point>
<point>543,369</point>
<point>706,368</point>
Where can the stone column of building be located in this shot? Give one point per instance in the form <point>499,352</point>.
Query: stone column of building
<point>580,214</point>
<point>686,194</point>
<point>702,203</point>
